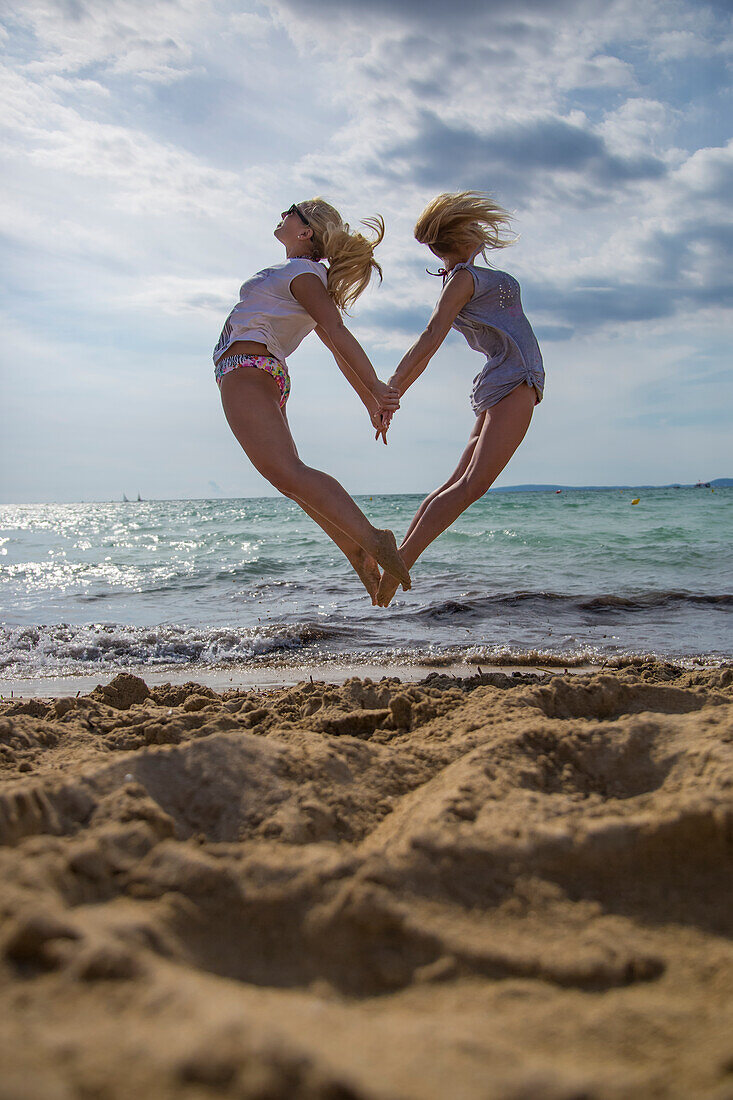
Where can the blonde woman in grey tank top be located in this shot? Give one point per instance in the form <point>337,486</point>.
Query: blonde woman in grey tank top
<point>485,305</point>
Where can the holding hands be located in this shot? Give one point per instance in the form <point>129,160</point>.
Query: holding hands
<point>381,420</point>
<point>386,403</point>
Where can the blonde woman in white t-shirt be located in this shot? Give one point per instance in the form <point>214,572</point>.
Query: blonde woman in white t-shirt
<point>277,308</point>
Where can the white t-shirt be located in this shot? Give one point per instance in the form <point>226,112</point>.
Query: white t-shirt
<point>267,311</point>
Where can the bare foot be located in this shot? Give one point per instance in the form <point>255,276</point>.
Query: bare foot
<point>387,588</point>
<point>390,559</point>
<point>368,571</point>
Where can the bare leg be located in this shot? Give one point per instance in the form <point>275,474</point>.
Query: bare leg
<point>503,429</point>
<point>364,565</point>
<point>458,472</point>
<point>251,404</point>
<point>387,587</point>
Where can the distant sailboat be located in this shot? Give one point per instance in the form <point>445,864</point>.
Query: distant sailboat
<point>139,497</point>
<point>124,499</point>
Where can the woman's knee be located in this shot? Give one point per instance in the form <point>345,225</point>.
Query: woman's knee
<point>286,477</point>
<point>473,485</point>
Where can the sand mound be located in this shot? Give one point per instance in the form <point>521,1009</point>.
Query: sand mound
<point>509,887</point>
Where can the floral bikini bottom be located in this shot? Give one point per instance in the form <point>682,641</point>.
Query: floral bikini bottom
<point>267,363</point>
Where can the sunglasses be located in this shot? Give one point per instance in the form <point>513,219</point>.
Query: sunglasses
<point>295,210</point>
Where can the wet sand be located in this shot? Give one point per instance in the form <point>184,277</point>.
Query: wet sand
<point>267,674</point>
<point>286,673</point>
<point>498,887</point>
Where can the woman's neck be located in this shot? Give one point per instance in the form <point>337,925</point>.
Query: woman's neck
<point>297,254</point>
<point>449,262</point>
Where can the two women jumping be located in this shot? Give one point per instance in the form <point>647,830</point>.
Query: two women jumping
<point>280,305</point>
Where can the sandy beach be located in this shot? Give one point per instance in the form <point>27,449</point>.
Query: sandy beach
<point>494,886</point>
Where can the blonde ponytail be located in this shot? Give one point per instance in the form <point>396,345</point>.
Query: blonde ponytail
<point>350,255</point>
<point>453,221</point>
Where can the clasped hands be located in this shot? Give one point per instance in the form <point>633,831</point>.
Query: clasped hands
<point>387,402</point>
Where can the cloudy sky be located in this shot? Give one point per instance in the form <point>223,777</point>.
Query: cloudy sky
<point>148,145</point>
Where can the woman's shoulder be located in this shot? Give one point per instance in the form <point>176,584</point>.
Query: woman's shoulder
<point>463,273</point>
<point>302,265</point>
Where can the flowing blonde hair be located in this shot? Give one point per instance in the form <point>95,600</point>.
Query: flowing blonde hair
<point>452,221</point>
<point>350,255</point>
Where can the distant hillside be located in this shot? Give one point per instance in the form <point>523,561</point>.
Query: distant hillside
<point>715,483</point>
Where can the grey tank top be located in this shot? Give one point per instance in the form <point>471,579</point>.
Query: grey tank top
<point>494,323</point>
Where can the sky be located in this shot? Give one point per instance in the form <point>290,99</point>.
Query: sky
<point>148,146</point>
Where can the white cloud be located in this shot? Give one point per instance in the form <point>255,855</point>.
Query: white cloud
<point>177,296</point>
<point>250,26</point>
<point>143,174</point>
<point>153,40</point>
<point>639,126</point>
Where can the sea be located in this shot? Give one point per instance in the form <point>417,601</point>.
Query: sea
<point>188,587</point>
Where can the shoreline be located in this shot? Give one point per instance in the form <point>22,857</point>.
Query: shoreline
<point>265,676</point>
<point>275,675</point>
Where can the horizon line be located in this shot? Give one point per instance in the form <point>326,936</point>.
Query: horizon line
<point>526,487</point>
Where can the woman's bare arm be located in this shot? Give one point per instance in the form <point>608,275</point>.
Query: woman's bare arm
<point>370,401</point>
<point>364,393</point>
<point>456,293</point>
<point>310,292</point>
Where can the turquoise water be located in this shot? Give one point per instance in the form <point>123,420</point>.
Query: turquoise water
<point>571,575</point>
